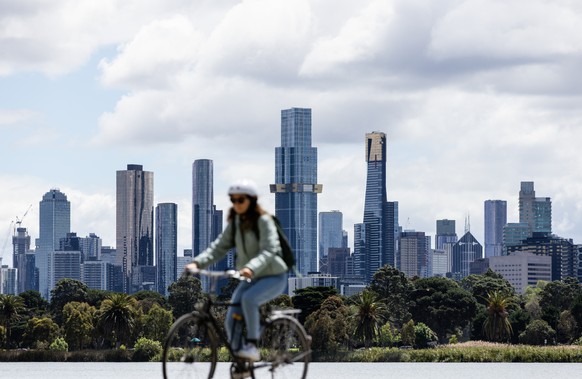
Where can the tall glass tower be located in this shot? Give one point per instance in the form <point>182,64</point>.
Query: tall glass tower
<point>54,224</point>
<point>135,227</point>
<point>534,211</point>
<point>495,220</point>
<point>296,186</point>
<point>378,220</point>
<point>166,245</point>
<point>330,232</point>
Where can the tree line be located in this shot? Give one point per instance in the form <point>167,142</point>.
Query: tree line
<point>392,310</point>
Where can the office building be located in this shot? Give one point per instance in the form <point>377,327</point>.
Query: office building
<point>135,227</point>
<point>495,220</point>
<point>534,211</point>
<point>330,234</point>
<point>514,233</point>
<point>166,245</point>
<point>445,233</point>
<point>563,253</point>
<point>96,274</point>
<point>522,269</point>
<point>413,254</point>
<point>8,280</point>
<point>312,280</point>
<point>54,224</point>
<point>466,250</point>
<point>64,265</point>
<point>296,187</point>
<point>335,264</point>
<point>91,247</point>
<point>440,263</point>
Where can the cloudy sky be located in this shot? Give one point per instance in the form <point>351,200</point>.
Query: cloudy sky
<point>475,96</point>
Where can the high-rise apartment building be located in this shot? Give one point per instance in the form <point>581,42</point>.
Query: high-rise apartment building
<point>296,186</point>
<point>135,227</point>
<point>379,225</point>
<point>534,211</point>
<point>445,233</point>
<point>166,245</point>
<point>330,232</point>
<point>513,234</point>
<point>54,224</point>
<point>495,220</point>
<point>91,247</point>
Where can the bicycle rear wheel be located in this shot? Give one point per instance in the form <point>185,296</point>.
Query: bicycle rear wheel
<point>285,349</point>
<point>190,349</point>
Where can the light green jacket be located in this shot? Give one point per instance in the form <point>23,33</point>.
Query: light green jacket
<point>263,257</point>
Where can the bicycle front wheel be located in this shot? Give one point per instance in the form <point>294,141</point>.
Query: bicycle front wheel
<point>285,348</point>
<point>190,349</point>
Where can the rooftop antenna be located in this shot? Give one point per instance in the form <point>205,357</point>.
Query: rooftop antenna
<point>467,223</point>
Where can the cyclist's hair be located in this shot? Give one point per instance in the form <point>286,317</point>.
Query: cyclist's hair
<point>249,219</point>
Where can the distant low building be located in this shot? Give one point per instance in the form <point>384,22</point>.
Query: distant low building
<point>313,280</point>
<point>522,269</point>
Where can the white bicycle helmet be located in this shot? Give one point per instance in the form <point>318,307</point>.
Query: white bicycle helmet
<point>243,187</point>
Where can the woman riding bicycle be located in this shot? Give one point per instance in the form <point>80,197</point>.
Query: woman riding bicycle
<point>258,257</point>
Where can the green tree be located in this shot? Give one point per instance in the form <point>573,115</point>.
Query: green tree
<point>329,326</point>
<point>157,323</point>
<point>117,316</point>
<point>184,294</point>
<point>538,332</point>
<point>368,317</point>
<point>40,331</point>
<point>442,305</point>
<point>147,299</point>
<point>407,333</point>
<point>59,344</point>
<point>11,309</point>
<point>65,291</point>
<point>78,324</point>
<point>388,335</point>
<point>34,303</point>
<point>576,311</point>
<point>519,319</point>
<point>309,299</point>
<point>394,289</point>
<point>480,286</point>
<point>145,349</point>
<point>423,335</point>
<point>559,294</point>
<point>567,327</point>
<point>497,326</point>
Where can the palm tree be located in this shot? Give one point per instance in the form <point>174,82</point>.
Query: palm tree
<point>497,326</point>
<point>11,308</point>
<point>368,316</point>
<point>117,316</point>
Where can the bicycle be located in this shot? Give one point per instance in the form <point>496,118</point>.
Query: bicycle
<point>192,345</point>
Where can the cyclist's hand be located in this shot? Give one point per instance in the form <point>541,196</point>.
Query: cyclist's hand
<point>246,272</point>
<point>191,268</point>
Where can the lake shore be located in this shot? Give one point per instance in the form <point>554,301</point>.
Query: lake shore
<point>463,352</point>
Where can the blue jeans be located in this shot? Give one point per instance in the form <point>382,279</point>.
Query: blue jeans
<point>251,296</point>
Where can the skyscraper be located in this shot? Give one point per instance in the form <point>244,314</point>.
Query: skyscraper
<point>414,253</point>
<point>166,245</point>
<point>202,204</point>
<point>534,211</point>
<point>495,220</point>
<point>466,250</point>
<point>21,247</point>
<point>376,212</point>
<point>54,224</point>
<point>135,227</point>
<point>330,232</point>
<point>296,186</point>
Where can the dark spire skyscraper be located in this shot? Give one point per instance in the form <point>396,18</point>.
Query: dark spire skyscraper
<point>296,186</point>
<point>135,227</point>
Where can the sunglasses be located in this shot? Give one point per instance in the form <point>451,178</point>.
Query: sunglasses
<point>238,200</point>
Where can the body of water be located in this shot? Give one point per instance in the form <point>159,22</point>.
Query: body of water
<point>74,370</point>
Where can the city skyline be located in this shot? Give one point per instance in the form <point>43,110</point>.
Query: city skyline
<point>470,114</point>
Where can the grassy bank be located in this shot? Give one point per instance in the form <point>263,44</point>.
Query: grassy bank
<point>470,352</point>
<point>467,352</point>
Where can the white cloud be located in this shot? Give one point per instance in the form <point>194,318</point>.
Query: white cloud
<point>15,116</point>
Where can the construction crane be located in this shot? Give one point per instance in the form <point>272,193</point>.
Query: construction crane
<point>19,221</point>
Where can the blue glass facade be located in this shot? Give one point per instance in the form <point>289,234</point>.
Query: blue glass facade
<point>495,220</point>
<point>330,231</point>
<point>166,245</point>
<point>54,224</point>
<point>296,186</point>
